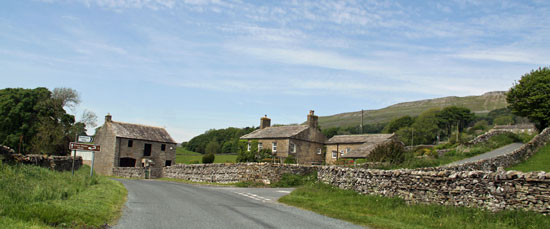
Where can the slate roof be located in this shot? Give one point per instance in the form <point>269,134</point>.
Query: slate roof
<point>276,132</point>
<point>364,150</point>
<point>359,138</point>
<point>141,132</point>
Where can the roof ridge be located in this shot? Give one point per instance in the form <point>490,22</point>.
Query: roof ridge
<point>138,124</point>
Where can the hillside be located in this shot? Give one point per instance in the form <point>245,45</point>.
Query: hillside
<point>479,104</point>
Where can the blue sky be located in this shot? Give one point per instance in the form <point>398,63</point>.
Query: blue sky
<point>195,65</point>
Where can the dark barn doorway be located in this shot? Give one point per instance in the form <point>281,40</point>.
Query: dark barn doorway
<point>127,162</point>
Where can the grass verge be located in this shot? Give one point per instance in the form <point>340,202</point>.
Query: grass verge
<point>383,212</point>
<point>540,161</point>
<point>184,156</point>
<point>34,197</point>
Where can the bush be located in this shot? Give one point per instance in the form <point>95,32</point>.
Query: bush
<point>208,158</point>
<point>392,152</point>
<point>290,159</point>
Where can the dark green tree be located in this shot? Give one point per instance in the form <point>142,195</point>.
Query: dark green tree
<point>212,147</point>
<point>452,116</point>
<point>398,123</point>
<point>530,97</point>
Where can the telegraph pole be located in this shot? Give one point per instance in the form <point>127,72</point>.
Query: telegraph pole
<point>361,126</point>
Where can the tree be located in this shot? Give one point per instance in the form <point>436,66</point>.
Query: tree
<point>398,123</point>
<point>424,130</point>
<point>452,116</point>
<point>67,96</point>
<point>212,148</point>
<point>530,97</point>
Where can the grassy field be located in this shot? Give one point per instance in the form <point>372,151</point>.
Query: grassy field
<point>382,212</point>
<point>34,197</point>
<point>540,161</point>
<point>479,104</point>
<point>184,156</point>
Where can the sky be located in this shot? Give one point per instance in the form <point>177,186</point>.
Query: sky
<point>195,65</point>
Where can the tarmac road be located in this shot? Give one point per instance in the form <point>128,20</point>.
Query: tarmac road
<point>162,204</point>
<point>495,153</point>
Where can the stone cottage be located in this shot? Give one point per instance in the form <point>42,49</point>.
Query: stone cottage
<point>355,146</point>
<point>132,145</point>
<point>304,142</point>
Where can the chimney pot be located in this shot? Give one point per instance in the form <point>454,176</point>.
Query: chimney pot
<point>108,118</point>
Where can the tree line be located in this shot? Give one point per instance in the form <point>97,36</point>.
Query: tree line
<point>35,120</point>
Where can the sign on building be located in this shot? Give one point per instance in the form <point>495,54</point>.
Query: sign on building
<point>80,146</point>
<point>86,139</point>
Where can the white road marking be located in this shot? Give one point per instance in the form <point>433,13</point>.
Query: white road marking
<point>283,191</point>
<point>253,196</point>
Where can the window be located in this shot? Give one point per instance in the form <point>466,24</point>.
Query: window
<point>341,153</point>
<point>147,150</point>
<point>292,147</point>
<point>334,154</point>
<point>274,146</point>
<point>260,146</point>
<point>163,147</point>
<point>168,163</point>
<point>319,151</point>
<point>248,147</point>
<point>130,143</point>
<point>348,150</point>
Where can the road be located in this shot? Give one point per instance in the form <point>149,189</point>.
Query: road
<point>497,152</point>
<point>162,204</point>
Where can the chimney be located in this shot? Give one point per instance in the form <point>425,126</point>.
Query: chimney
<point>108,118</point>
<point>312,119</point>
<point>265,122</point>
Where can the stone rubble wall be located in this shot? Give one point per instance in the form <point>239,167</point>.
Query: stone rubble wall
<point>232,173</point>
<point>58,163</point>
<point>484,189</point>
<point>137,172</point>
<point>506,160</point>
<point>486,136</point>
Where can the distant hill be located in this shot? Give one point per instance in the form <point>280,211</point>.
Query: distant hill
<point>478,104</point>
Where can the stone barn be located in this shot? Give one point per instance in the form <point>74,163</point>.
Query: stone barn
<point>304,142</point>
<point>132,145</point>
<point>355,146</point>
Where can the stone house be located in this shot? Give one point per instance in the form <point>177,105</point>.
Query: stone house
<point>355,146</point>
<point>132,145</point>
<point>304,142</point>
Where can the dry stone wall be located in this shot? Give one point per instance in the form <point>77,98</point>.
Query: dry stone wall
<point>506,160</point>
<point>137,172</point>
<point>490,190</point>
<point>58,163</point>
<point>232,173</point>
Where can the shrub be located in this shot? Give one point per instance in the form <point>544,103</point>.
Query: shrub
<point>392,152</point>
<point>290,159</point>
<point>208,158</point>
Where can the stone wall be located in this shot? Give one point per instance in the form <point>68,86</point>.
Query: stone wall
<point>232,173</point>
<point>486,136</point>
<point>58,163</point>
<point>506,160</point>
<point>137,172</point>
<point>490,190</point>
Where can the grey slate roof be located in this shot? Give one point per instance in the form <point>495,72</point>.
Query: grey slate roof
<point>141,132</point>
<point>359,138</point>
<point>276,132</point>
<point>364,150</point>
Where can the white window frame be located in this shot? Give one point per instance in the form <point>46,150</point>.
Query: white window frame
<point>341,153</point>
<point>260,146</point>
<point>334,154</point>
<point>274,147</point>
<point>248,147</point>
<point>319,151</point>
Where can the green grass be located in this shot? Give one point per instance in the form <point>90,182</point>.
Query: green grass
<point>412,162</point>
<point>540,161</point>
<point>34,197</point>
<point>184,156</point>
<point>383,212</point>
